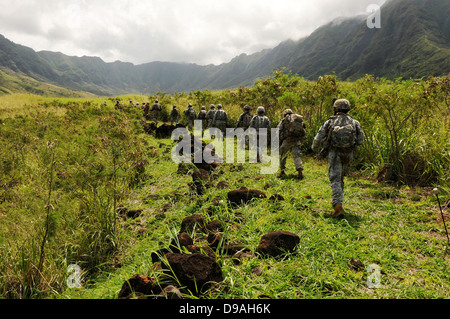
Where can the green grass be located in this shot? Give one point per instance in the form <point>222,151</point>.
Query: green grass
<point>402,236</point>
<point>99,153</point>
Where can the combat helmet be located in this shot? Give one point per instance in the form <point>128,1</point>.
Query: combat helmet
<point>219,106</point>
<point>261,110</point>
<point>212,106</point>
<point>342,105</point>
<point>247,108</point>
<point>288,112</point>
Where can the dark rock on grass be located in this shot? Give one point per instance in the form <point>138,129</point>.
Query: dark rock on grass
<point>203,249</point>
<point>139,286</point>
<point>244,196</point>
<point>183,240</point>
<point>222,185</point>
<point>275,244</point>
<point>197,271</point>
<point>125,213</point>
<point>356,264</point>
<point>201,180</point>
<point>215,226</point>
<point>193,222</point>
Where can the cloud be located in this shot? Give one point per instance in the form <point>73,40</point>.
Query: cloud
<point>195,31</point>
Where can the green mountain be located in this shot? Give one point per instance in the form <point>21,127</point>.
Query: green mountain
<point>413,42</point>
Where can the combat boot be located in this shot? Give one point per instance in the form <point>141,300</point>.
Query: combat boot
<point>300,174</point>
<point>338,211</point>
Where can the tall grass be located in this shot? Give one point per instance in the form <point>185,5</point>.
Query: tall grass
<point>59,205</point>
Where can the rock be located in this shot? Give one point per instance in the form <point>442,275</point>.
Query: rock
<point>356,264</point>
<point>201,180</point>
<point>193,222</point>
<point>244,196</point>
<point>277,243</point>
<point>215,239</point>
<point>222,185</point>
<point>215,226</point>
<point>204,249</point>
<point>184,240</point>
<point>196,271</point>
<point>164,131</point>
<point>140,286</point>
<point>125,213</point>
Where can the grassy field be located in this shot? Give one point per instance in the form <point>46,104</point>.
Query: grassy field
<point>68,165</point>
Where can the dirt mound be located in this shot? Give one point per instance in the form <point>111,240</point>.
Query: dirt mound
<point>197,271</point>
<point>244,196</point>
<point>275,244</point>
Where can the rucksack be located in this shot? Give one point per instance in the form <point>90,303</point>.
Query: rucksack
<point>191,114</point>
<point>343,132</point>
<point>221,115</point>
<point>295,127</point>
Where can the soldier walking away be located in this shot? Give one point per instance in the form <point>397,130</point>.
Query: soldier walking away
<point>191,116</point>
<point>156,109</point>
<point>210,116</point>
<point>220,119</point>
<point>340,136</point>
<point>244,123</point>
<point>174,115</point>
<point>202,117</point>
<point>292,131</point>
<point>259,122</point>
<point>147,111</point>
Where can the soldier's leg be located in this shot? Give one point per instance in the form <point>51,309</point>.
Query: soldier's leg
<point>335,176</point>
<point>297,154</point>
<point>284,151</point>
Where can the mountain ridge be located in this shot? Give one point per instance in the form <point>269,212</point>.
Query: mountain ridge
<point>413,42</point>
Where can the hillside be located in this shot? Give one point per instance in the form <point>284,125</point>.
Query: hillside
<point>413,42</point>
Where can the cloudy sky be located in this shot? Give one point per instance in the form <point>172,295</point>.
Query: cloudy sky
<point>192,31</point>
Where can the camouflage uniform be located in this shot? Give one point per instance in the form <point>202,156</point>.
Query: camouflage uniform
<point>202,117</point>
<point>146,111</point>
<point>191,116</point>
<point>244,123</point>
<point>220,119</point>
<point>338,159</point>
<point>210,116</point>
<point>174,116</point>
<point>258,122</point>
<point>156,109</point>
<point>289,144</point>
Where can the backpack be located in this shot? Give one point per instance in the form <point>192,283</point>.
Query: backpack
<point>190,113</point>
<point>221,115</point>
<point>343,132</point>
<point>294,126</point>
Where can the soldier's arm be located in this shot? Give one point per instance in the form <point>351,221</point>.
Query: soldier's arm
<point>320,137</point>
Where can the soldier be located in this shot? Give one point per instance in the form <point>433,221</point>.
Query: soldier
<point>202,117</point>
<point>156,109</point>
<point>340,136</point>
<point>292,131</point>
<point>146,111</point>
<point>259,122</point>
<point>210,116</point>
<point>244,122</point>
<point>174,115</point>
<point>220,119</point>
<point>191,116</point>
